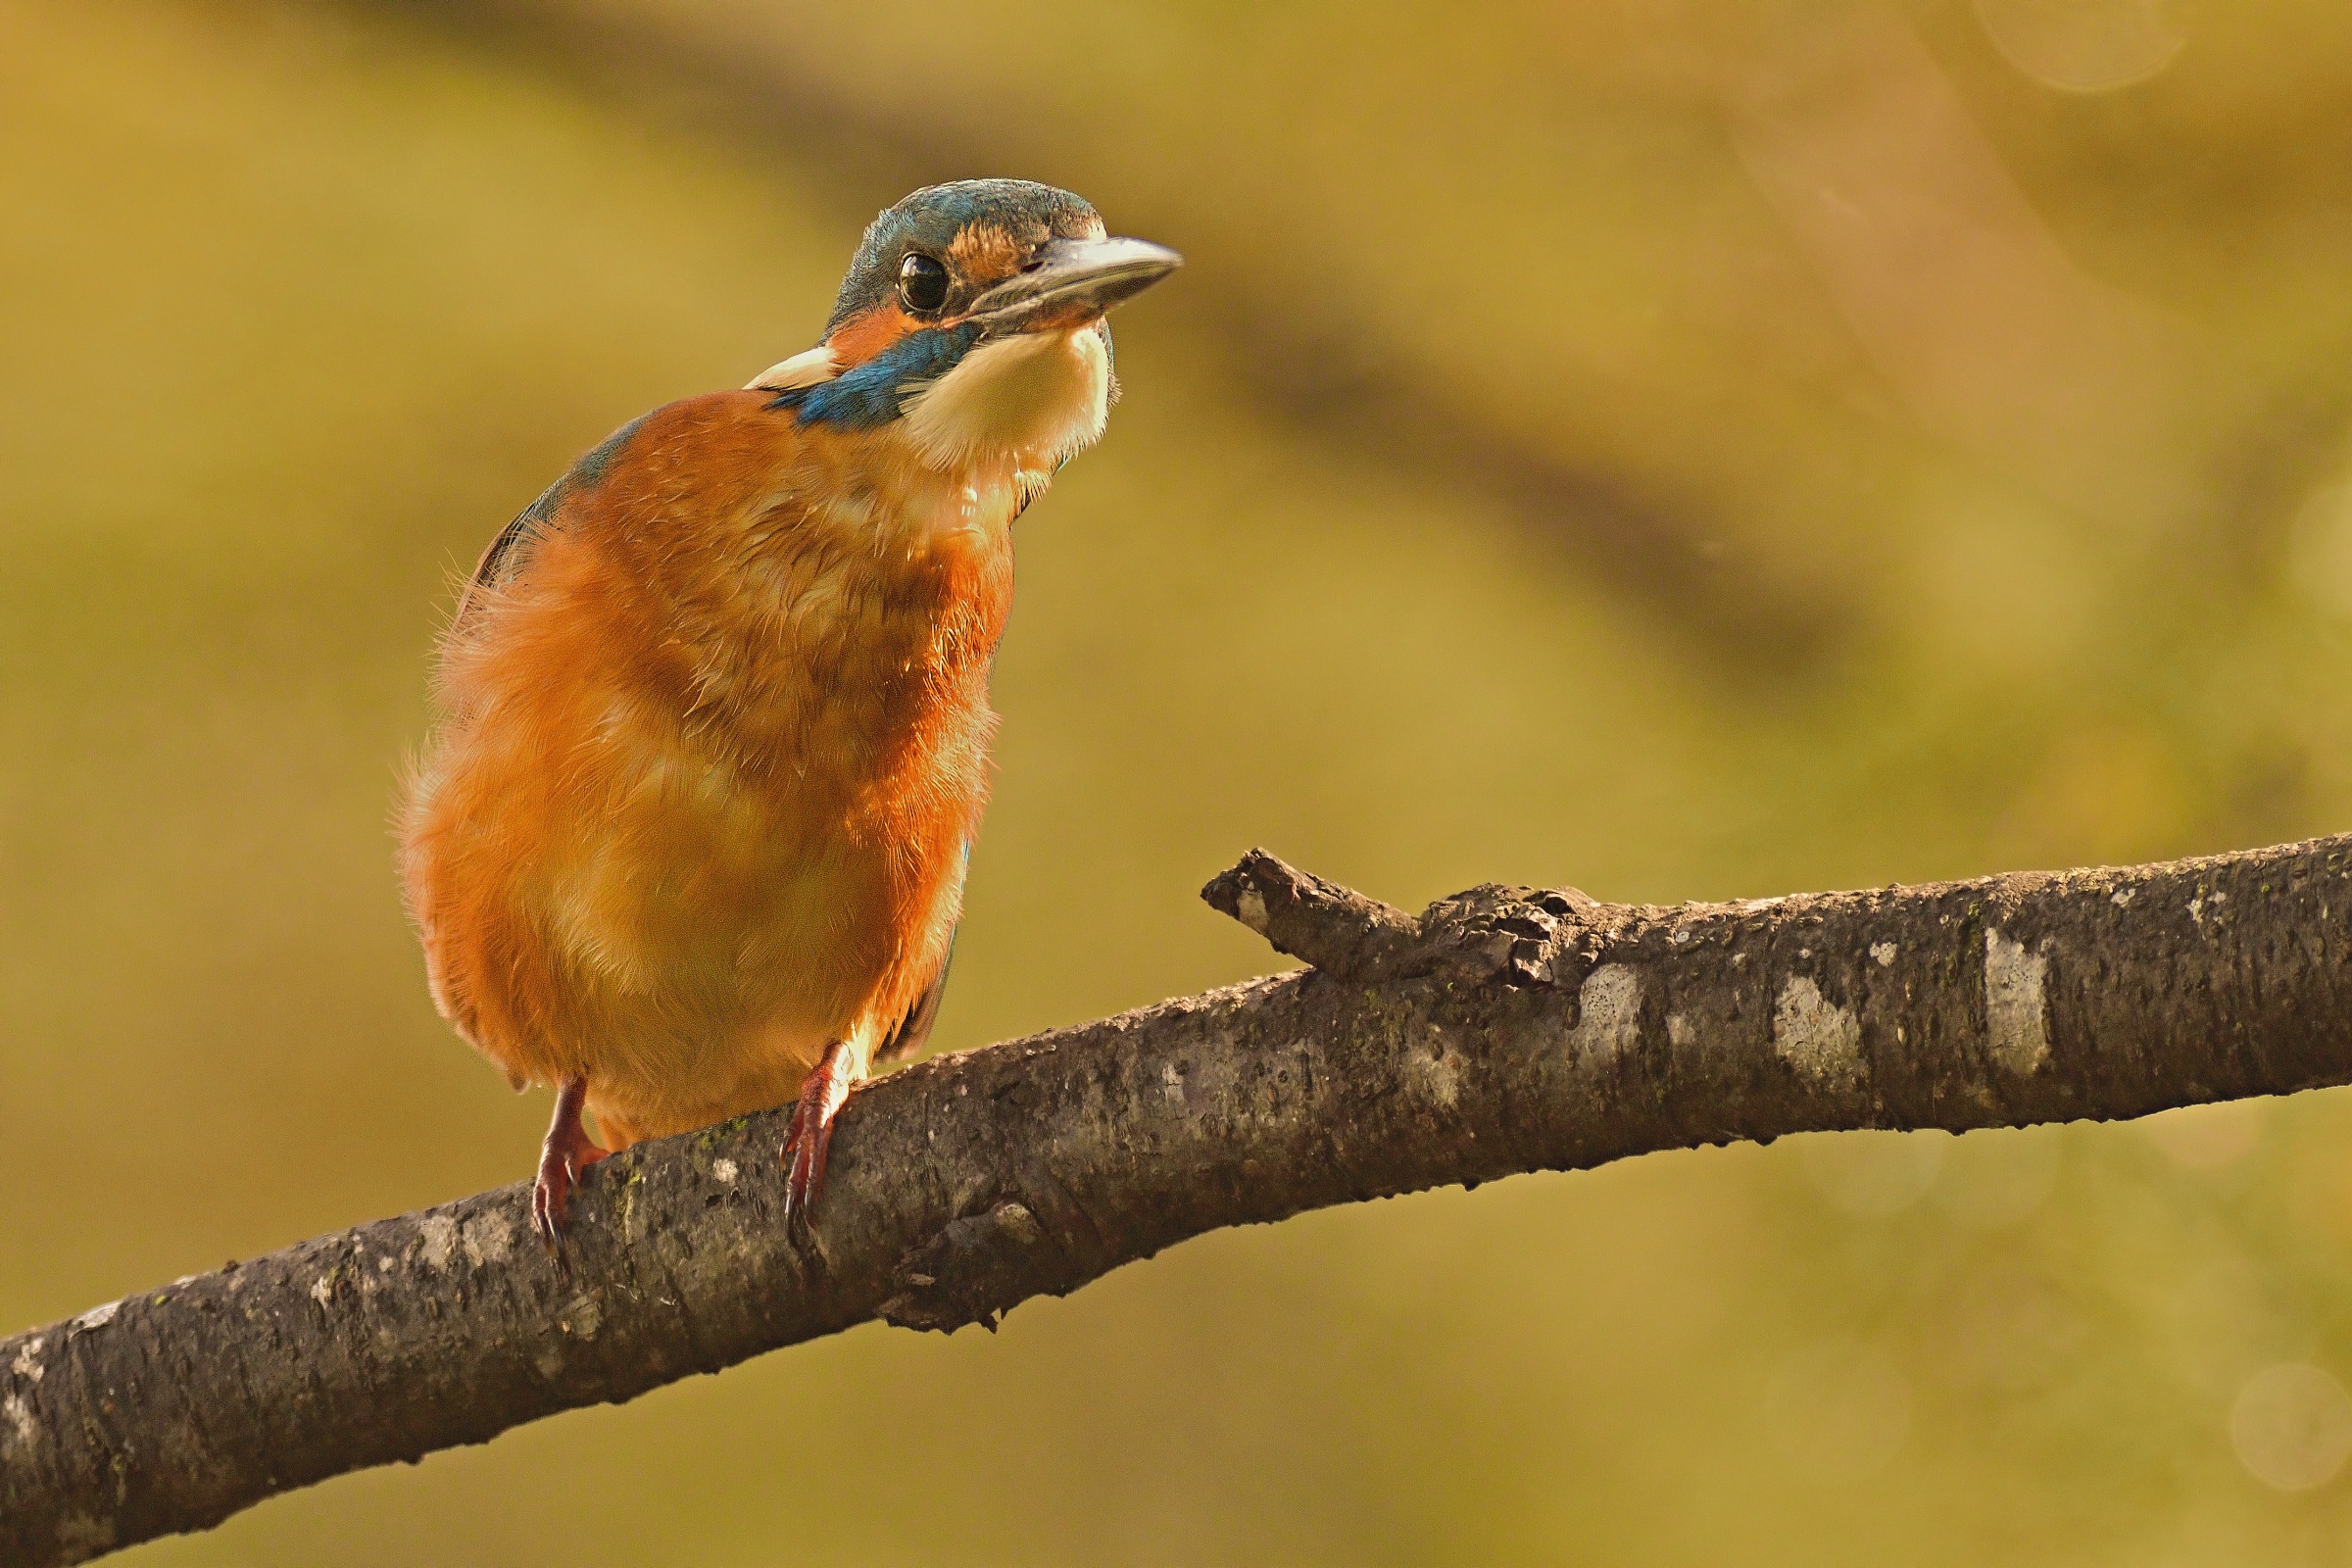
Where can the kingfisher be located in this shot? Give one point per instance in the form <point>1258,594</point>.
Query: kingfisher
<point>689,836</point>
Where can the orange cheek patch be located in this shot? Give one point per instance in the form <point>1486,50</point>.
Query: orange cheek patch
<point>987,255</point>
<point>862,336</point>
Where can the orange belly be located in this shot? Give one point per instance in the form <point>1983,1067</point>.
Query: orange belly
<point>701,800</point>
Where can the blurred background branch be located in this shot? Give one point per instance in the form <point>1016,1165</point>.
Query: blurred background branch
<point>1366,293</point>
<point>1506,1030</point>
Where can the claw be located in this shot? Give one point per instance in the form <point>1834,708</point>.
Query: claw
<point>809,1136</point>
<point>564,1158</point>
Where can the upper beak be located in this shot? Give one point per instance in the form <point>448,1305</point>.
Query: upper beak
<point>1073,280</point>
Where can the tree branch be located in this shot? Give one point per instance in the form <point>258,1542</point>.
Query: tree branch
<point>1504,1030</point>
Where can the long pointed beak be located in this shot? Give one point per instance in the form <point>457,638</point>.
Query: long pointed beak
<point>1073,280</point>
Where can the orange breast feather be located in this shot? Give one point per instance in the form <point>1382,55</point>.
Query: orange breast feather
<point>714,739</point>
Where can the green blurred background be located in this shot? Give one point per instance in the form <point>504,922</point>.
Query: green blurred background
<point>1684,450</point>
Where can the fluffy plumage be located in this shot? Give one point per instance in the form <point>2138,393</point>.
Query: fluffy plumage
<point>716,706</point>
<point>714,745</point>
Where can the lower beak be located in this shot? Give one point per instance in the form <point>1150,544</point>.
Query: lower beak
<point>1073,281</point>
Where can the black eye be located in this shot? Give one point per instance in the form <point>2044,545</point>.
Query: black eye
<point>922,283</point>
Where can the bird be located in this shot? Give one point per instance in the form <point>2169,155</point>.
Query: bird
<point>688,836</point>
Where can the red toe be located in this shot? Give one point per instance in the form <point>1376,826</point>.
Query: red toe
<point>566,1153</point>
<point>808,1137</point>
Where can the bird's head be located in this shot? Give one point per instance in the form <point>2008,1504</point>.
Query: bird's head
<point>972,323</point>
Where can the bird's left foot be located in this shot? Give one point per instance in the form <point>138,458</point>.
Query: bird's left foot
<point>808,1137</point>
<point>567,1153</point>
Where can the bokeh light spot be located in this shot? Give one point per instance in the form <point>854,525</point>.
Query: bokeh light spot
<point>2086,45</point>
<point>2292,1426</point>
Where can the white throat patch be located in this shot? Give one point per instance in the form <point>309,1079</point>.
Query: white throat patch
<point>809,367</point>
<point>1038,398</point>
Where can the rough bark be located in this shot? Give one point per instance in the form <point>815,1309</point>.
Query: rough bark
<point>1504,1030</point>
